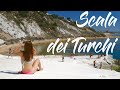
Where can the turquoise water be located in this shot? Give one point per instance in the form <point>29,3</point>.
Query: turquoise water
<point>116,51</point>
<point>42,49</point>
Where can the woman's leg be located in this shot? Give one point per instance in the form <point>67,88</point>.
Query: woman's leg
<point>37,65</point>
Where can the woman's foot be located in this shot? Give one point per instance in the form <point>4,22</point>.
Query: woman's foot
<point>39,69</point>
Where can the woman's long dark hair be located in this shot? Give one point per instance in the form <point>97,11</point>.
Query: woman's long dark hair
<point>28,50</point>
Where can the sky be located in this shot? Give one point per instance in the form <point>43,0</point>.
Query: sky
<point>75,15</point>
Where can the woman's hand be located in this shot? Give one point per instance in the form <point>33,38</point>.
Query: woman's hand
<point>17,49</point>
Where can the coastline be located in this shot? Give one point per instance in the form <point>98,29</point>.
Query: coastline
<point>4,48</point>
<point>75,67</point>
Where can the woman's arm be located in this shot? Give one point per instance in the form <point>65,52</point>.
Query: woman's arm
<point>17,50</point>
<point>34,51</point>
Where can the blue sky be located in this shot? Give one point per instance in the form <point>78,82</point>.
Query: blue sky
<point>76,14</point>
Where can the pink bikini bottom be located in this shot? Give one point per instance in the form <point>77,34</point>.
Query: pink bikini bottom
<point>27,72</point>
<point>30,72</point>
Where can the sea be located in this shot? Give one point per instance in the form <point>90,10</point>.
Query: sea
<point>42,49</point>
<point>116,50</point>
